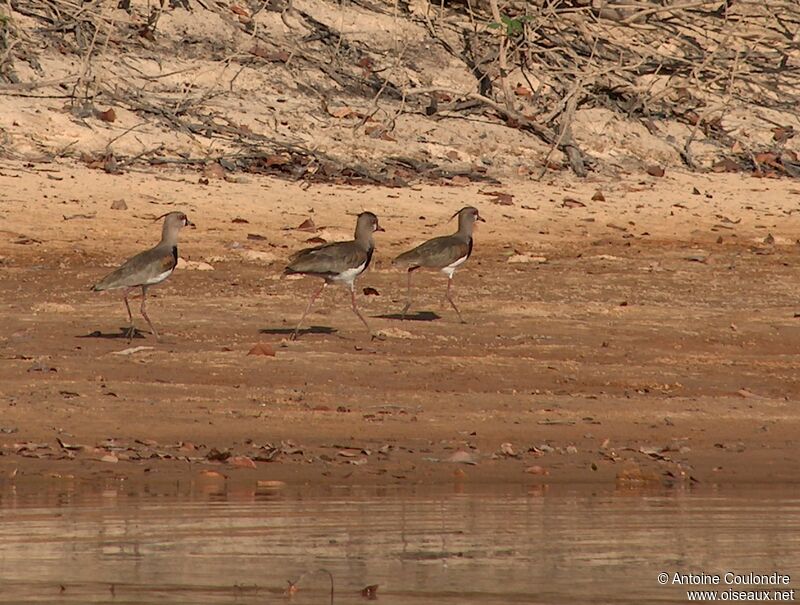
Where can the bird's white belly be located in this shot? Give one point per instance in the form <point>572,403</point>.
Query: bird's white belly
<point>451,268</point>
<point>158,278</point>
<point>348,276</point>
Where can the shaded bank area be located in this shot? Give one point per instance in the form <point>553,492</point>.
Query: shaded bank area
<point>388,92</point>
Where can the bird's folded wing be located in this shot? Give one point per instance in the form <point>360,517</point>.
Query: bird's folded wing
<point>140,269</point>
<point>328,259</point>
<point>436,253</point>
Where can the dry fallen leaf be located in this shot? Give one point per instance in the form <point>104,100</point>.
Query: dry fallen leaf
<point>500,197</point>
<point>280,56</point>
<point>370,592</point>
<point>243,12</point>
<point>263,349</point>
<point>768,158</point>
<point>307,225</point>
<point>109,115</point>
<point>522,91</point>
<point>572,203</point>
<point>370,291</point>
<point>341,112</point>
<point>655,170</point>
<point>277,160</point>
<point>783,133</point>
<point>726,165</point>
<point>598,196</point>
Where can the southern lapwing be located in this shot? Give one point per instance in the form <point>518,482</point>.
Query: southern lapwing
<point>445,253</point>
<point>338,263</point>
<point>147,268</point>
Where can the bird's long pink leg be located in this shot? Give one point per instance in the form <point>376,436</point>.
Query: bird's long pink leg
<point>408,301</point>
<point>355,307</point>
<point>450,300</point>
<point>131,327</point>
<point>314,296</point>
<point>144,313</point>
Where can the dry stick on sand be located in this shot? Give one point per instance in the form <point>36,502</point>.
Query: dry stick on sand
<point>568,146</point>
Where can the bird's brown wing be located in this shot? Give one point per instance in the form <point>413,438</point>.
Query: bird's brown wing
<point>436,253</point>
<point>140,269</point>
<point>329,259</point>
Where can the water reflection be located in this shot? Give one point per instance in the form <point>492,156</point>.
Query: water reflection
<point>207,543</point>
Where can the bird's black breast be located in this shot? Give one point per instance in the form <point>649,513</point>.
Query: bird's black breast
<point>469,247</point>
<point>175,254</point>
<point>370,250</point>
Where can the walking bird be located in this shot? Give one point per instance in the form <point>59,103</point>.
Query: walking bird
<point>147,268</point>
<point>445,253</point>
<point>338,263</point>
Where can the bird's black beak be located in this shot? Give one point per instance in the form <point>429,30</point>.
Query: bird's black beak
<point>481,219</point>
<point>190,224</point>
<point>379,228</point>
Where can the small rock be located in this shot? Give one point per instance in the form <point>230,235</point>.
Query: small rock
<point>193,265</point>
<point>263,349</point>
<point>241,462</point>
<point>462,457</point>
<point>214,171</point>
<point>258,256</point>
<point>119,205</point>
<point>50,307</point>
<point>537,470</point>
<point>525,258</point>
<point>397,333</point>
<point>507,449</point>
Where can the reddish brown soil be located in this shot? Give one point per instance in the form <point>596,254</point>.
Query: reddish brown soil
<point>659,327</point>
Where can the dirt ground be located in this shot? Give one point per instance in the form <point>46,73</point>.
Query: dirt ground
<point>648,337</point>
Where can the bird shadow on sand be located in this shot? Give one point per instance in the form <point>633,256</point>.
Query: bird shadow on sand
<point>303,331</point>
<point>121,335</point>
<point>418,316</point>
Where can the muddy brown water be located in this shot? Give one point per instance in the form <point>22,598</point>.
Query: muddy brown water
<point>488,546</point>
